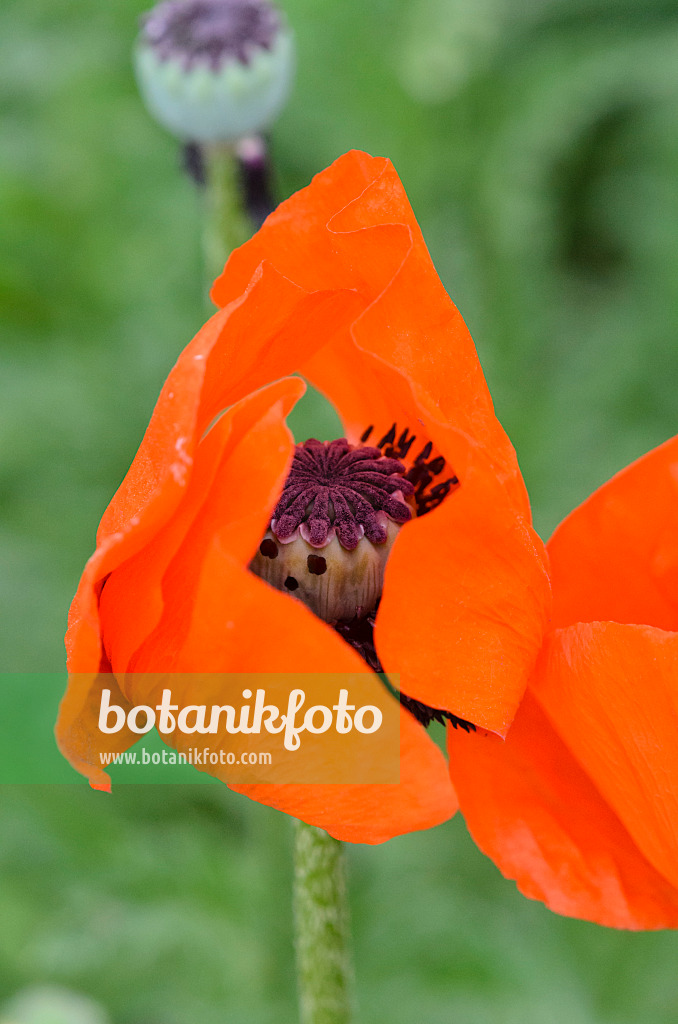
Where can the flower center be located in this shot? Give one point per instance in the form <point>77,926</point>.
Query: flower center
<point>333,527</point>
<point>210,30</point>
<point>338,516</point>
<point>332,530</point>
<point>336,487</point>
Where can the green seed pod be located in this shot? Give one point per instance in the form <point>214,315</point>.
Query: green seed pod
<point>214,71</point>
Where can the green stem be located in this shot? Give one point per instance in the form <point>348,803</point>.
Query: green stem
<point>227,223</point>
<point>324,969</point>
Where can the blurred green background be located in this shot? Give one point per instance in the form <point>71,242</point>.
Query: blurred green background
<point>538,142</point>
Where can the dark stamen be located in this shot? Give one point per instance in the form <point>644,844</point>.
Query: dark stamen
<point>421,475</point>
<point>398,449</point>
<point>425,714</point>
<point>365,434</point>
<point>425,453</point>
<point>359,633</point>
<point>427,502</point>
<point>422,471</point>
<point>291,583</point>
<point>405,443</point>
<point>388,438</point>
<point>269,548</point>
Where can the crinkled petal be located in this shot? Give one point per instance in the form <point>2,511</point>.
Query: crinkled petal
<point>226,495</point>
<point>274,632</point>
<point>374,813</point>
<point>295,239</point>
<point>338,285</point>
<point>466,595</point>
<point>125,602</point>
<point>611,691</point>
<point>531,807</point>
<point>616,556</point>
<point>240,624</point>
<point>465,602</point>
<point>255,339</point>
<point>77,732</point>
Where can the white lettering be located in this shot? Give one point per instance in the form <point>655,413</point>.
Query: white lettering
<point>105,710</point>
<point>166,720</point>
<point>134,715</point>
<point>199,710</point>
<point>344,723</point>
<point>292,741</point>
<point>376,721</point>
<point>310,725</point>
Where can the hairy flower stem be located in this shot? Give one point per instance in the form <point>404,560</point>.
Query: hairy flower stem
<point>324,970</point>
<point>227,222</point>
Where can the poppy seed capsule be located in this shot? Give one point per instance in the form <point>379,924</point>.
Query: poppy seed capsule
<point>333,528</point>
<point>214,70</point>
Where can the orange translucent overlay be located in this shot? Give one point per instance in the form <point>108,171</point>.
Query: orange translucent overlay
<point>248,728</point>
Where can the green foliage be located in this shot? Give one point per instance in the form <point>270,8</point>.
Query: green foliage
<point>539,146</point>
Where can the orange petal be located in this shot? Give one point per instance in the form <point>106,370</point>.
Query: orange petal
<point>412,324</point>
<point>466,597</point>
<point>217,617</point>
<point>611,691</point>
<point>294,237</point>
<point>466,594</point>
<point>130,605</point>
<point>251,433</point>
<point>347,251</point>
<point>531,808</point>
<point>465,604</point>
<point>616,556</point>
<point>374,813</point>
<point>77,729</point>
<point>240,624</point>
<point>274,632</point>
<point>258,337</point>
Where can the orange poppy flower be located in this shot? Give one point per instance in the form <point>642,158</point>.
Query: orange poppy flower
<point>337,286</point>
<point>580,804</point>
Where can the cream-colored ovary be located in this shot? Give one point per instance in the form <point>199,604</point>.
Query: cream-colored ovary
<point>351,584</point>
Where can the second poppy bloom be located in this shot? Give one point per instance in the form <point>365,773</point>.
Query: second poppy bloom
<point>338,287</point>
<point>580,803</point>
